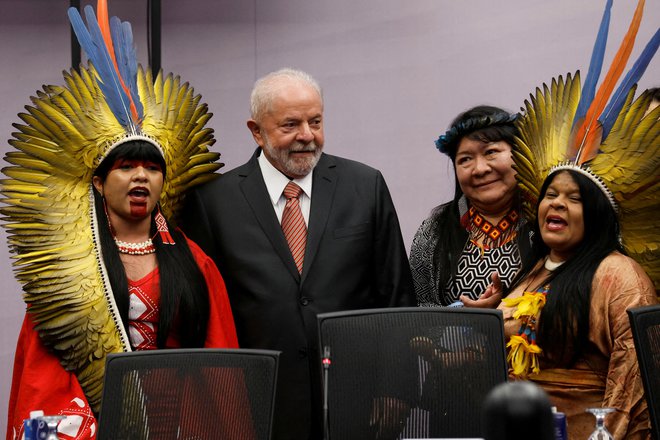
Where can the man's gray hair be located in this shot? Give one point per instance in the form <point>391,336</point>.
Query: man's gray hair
<point>265,87</point>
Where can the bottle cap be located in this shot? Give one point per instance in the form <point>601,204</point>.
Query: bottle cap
<point>36,413</point>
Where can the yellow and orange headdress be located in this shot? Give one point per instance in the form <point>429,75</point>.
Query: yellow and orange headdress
<point>603,134</point>
<point>47,193</point>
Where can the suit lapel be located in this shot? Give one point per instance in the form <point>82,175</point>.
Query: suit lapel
<point>256,195</point>
<point>323,192</point>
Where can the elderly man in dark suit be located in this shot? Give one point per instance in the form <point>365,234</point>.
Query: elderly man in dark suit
<point>296,232</point>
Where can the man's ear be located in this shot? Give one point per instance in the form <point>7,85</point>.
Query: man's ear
<point>256,132</point>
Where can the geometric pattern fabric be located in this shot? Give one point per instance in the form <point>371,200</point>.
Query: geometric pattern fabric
<point>143,316</point>
<point>475,266</point>
<point>493,235</point>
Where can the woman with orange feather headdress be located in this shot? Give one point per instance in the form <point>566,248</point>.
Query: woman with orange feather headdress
<point>588,171</point>
<point>100,169</point>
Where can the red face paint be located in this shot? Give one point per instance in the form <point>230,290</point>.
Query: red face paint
<point>138,209</point>
<point>127,164</point>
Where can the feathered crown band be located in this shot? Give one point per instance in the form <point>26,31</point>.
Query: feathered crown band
<point>586,171</point>
<point>132,138</point>
<point>446,142</point>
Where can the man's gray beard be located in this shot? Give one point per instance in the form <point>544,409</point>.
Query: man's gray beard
<point>289,166</point>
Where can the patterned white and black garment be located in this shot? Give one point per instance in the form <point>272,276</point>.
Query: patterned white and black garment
<point>474,270</point>
<point>475,267</point>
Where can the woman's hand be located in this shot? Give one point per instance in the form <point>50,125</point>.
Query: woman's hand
<point>491,298</point>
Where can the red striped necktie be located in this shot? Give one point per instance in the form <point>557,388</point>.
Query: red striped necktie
<point>293,224</point>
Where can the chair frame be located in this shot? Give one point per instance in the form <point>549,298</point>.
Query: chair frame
<point>326,357</point>
<point>637,317</point>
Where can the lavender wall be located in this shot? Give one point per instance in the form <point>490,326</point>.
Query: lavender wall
<point>394,74</point>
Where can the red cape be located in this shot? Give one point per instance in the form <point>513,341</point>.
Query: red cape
<point>40,382</point>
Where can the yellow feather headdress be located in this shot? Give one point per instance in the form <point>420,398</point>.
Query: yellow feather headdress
<point>49,205</point>
<point>613,143</point>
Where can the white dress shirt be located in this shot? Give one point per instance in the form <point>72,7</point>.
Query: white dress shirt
<point>275,184</point>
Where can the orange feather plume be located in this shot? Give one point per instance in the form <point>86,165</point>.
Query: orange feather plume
<point>589,132</point>
<point>104,24</point>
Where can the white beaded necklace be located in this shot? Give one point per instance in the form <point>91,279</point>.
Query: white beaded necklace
<point>142,248</point>
<point>551,265</point>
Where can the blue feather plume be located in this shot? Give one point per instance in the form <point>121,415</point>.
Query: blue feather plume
<point>94,46</point>
<point>122,39</point>
<point>595,65</point>
<point>613,108</point>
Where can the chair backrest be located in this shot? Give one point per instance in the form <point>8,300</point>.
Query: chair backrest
<point>645,324</point>
<point>410,372</point>
<point>194,394</point>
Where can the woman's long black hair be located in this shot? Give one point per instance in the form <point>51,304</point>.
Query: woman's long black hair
<point>563,329</point>
<point>184,297</point>
<point>482,123</point>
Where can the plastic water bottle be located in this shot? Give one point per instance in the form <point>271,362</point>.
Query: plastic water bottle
<point>28,433</point>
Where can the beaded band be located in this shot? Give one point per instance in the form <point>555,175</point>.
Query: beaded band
<point>143,248</point>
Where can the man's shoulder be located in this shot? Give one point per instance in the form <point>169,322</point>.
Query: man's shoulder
<point>227,178</point>
<point>239,171</point>
<point>346,165</point>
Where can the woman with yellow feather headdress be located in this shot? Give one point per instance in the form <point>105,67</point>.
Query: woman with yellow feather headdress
<point>100,164</point>
<point>584,165</point>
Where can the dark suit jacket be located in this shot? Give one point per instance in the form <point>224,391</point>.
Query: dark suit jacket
<point>354,259</point>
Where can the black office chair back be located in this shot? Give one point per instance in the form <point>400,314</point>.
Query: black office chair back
<point>194,394</point>
<point>409,372</point>
<point>645,324</point>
